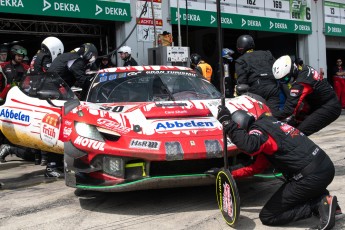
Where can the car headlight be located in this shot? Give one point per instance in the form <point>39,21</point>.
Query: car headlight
<point>173,151</point>
<point>88,131</point>
<point>213,149</point>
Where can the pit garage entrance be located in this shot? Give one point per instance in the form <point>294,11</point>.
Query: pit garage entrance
<point>30,32</point>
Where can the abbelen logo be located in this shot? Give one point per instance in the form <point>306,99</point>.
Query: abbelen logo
<point>184,124</point>
<point>89,143</point>
<point>14,115</point>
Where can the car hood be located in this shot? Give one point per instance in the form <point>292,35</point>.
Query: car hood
<point>168,118</point>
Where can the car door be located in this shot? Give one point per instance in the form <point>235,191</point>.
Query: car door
<point>28,120</point>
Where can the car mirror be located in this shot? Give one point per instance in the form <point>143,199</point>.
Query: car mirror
<point>70,105</point>
<point>47,94</point>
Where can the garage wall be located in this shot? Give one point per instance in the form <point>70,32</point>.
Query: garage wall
<point>139,48</point>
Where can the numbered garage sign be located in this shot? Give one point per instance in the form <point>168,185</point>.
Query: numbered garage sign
<point>228,197</point>
<point>50,129</point>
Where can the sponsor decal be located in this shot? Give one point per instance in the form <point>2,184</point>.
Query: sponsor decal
<point>103,79</point>
<point>50,129</point>
<point>317,76</point>
<point>107,77</point>
<point>14,115</point>
<point>170,104</point>
<point>144,144</point>
<point>287,128</point>
<point>315,151</point>
<point>68,123</point>
<point>255,132</point>
<point>227,200</point>
<point>180,125</point>
<point>171,72</point>
<point>294,92</point>
<point>133,73</point>
<point>176,112</point>
<point>112,77</point>
<point>192,143</point>
<point>86,142</point>
<point>113,125</point>
<point>67,132</point>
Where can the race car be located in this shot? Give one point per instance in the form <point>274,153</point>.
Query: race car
<point>142,127</point>
<point>147,127</point>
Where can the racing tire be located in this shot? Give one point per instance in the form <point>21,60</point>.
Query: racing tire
<point>228,197</point>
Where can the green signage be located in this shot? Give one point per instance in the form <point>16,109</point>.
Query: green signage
<point>334,19</point>
<point>334,29</point>
<point>91,9</point>
<point>235,21</point>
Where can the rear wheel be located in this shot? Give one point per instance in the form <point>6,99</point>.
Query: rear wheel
<point>228,197</point>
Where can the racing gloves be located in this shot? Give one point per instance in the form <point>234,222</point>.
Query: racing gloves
<point>224,117</point>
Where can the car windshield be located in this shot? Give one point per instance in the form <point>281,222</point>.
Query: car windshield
<point>145,86</point>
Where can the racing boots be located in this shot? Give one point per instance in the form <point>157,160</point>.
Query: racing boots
<point>327,209</point>
<point>5,150</point>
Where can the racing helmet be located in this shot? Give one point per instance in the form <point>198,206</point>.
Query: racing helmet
<point>125,49</point>
<point>243,119</point>
<point>88,51</point>
<point>17,49</point>
<point>244,43</point>
<point>195,59</point>
<point>52,45</point>
<point>284,68</point>
<point>226,53</point>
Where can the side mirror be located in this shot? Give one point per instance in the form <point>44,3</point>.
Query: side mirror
<point>70,105</point>
<point>47,94</point>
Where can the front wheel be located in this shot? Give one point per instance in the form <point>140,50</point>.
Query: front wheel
<point>228,197</point>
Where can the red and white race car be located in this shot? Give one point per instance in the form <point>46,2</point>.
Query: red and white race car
<point>141,127</point>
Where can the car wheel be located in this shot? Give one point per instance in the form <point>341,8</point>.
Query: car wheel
<point>228,197</point>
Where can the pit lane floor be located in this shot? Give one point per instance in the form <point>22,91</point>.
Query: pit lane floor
<point>28,200</point>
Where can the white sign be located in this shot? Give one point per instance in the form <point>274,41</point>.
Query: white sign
<point>277,9</point>
<point>177,54</point>
<point>251,7</point>
<point>147,11</point>
<point>146,33</point>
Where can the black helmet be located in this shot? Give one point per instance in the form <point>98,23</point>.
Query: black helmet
<point>243,119</point>
<point>88,51</point>
<point>17,49</point>
<point>244,43</point>
<point>195,59</point>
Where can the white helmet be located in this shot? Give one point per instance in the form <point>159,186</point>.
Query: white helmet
<point>125,49</point>
<point>282,67</point>
<point>53,45</point>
